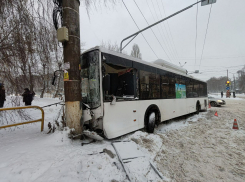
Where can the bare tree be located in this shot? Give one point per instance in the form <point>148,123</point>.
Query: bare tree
<point>110,46</point>
<point>27,40</point>
<point>57,86</point>
<point>241,79</point>
<point>136,51</point>
<point>113,47</point>
<point>217,84</point>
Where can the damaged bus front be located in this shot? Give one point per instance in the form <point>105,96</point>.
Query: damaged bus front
<point>91,90</point>
<point>108,83</point>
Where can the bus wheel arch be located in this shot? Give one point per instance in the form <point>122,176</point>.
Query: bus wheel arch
<point>198,107</point>
<point>150,125</point>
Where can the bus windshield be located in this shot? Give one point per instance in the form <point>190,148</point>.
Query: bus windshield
<point>90,79</point>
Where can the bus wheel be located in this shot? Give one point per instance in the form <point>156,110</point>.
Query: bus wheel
<point>152,118</point>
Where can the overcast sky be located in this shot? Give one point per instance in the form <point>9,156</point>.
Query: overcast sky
<point>225,41</point>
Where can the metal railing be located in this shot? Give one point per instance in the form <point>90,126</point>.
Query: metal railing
<point>26,107</point>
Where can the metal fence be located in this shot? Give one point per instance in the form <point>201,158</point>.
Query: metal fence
<point>26,107</point>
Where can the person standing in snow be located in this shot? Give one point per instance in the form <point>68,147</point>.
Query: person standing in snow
<point>28,97</point>
<point>221,94</point>
<point>2,95</point>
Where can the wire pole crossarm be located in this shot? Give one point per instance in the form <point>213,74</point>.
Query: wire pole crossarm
<point>135,34</point>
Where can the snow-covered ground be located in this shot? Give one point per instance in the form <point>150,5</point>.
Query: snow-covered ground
<point>197,148</point>
<point>218,95</point>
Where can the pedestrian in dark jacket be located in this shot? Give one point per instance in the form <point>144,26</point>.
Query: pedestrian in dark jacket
<point>2,95</point>
<point>28,97</point>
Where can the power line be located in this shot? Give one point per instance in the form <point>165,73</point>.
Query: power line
<point>165,30</point>
<point>167,40</point>
<point>206,34</point>
<point>196,36</point>
<point>152,30</point>
<point>174,47</point>
<point>139,29</point>
<point>157,26</point>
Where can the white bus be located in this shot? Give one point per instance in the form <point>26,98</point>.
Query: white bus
<point>121,94</point>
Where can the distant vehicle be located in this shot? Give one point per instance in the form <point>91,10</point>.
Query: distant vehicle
<point>216,101</point>
<point>121,94</point>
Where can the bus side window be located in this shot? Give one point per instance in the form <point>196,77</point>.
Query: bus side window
<point>171,92</point>
<point>196,89</point>
<point>201,88</point>
<point>154,86</point>
<point>144,84</point>
<point>189,88</point>
<point>149,85</point>
<point>164,87</point>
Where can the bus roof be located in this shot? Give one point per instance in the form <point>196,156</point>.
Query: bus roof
<point>162,64</point>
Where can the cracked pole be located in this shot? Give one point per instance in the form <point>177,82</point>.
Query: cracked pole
<point>73,111</point>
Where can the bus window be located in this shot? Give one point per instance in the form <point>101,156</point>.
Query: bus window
<point>196,89</point>
<point>203,89</point>
<point>154,86</point>
<point>122,82</point>
<point>200,89</point>
<point>164,87</point>
<point>171,91</point>
<point>189,88</point>
<point>90,78</point>
<point>144,84</point>
<point>149,85</point>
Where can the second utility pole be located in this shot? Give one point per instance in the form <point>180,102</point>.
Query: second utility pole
<point>73,111</point>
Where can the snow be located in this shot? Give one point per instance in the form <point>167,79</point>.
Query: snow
<point>152,118</point>
<point>127,150</point>
<point>218,95</point>
<point>196,148</point>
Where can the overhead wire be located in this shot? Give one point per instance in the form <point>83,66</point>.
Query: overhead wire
<point>163,40</point>
<point>139,29</point>
<point>152,30</point>
<point>165,35</point>
<point>205,35</point>
<point>196,36</point>
<point>173,44</point>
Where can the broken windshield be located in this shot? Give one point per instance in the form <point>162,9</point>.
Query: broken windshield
<point>90,79</point>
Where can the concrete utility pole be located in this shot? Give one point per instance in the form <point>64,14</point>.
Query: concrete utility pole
<point>72,87</point>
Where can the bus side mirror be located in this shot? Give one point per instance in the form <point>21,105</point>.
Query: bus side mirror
<point>106,84</point>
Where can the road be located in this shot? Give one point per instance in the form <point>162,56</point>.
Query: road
<point>207,150</point>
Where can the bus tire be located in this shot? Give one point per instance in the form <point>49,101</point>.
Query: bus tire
<point>152,118</point>
<point>198,107</point>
